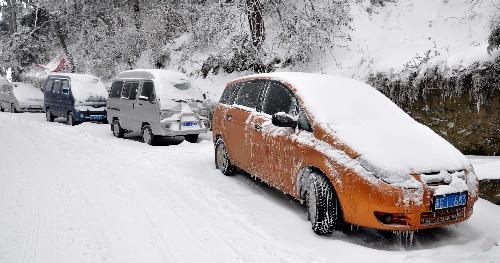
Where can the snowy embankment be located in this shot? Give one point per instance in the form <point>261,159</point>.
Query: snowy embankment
<point>77,194</point>
<point>486,167</point>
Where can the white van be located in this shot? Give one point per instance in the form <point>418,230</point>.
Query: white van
<point>155,102</point>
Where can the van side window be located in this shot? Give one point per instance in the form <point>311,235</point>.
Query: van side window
<point>57,86</point>
<point>278,99</point>
<point>130,90</point>
<point>229,94</point>
<point>65,86</point>
<point>148,90</point>
<point>49,85</point>
<point>116,89</point>
<point>249,94</point>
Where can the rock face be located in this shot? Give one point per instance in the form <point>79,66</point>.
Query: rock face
<point>490,190</point>
<point>461,104</point>
<point>473,129</point>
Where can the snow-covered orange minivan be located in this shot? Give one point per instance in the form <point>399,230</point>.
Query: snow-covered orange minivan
<point>344,149</point>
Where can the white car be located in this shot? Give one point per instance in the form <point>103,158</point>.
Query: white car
<point>20,97</point>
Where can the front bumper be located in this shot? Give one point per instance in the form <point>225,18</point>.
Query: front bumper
<point>82,116</point>
<point>176,128</point>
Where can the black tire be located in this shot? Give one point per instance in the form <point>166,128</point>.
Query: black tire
<point>49,116</point>
<point>70,120</point>
<point>323,206</point>
<point>1,108</point>
<point>117,129</point>
<point>222,161</point>
<point>147,135</point>
<point>192,138</point>
<point>13,108</point>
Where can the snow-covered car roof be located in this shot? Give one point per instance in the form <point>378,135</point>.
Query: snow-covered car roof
<point>169,85</point>
<point>85,87</point>
<point>26,91</point>
<point>389,140</point>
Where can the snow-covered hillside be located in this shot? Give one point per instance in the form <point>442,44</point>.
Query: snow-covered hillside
<point>78,194</point>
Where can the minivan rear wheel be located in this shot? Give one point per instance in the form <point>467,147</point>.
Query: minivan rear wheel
<point>147,135</point>
<point>192,138</point>
<point>49,116</point>
<point>117,129</point>
<point>222,161</point>
<point>323,206</point>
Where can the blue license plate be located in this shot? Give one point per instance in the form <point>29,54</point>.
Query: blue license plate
<point>96,117</point>
<point>189,124</point>
<point>450,201</point>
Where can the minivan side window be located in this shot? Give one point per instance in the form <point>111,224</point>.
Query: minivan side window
<point>57,86</point>
<point>148,90</point>
<point>278,99</point>
<point>49,85</point>
<point>229,94</point>
<point>65,86</point>
<point>116,89</point>
<point>249,94</point>
<point>130,90</point>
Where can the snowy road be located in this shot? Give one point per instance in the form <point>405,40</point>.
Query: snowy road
<point>77,194</point>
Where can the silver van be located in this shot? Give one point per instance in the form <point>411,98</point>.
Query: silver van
<point>20,97</point>
<point>155,103</point>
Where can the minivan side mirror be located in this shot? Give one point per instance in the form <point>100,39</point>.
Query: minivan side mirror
<point>281,119</point>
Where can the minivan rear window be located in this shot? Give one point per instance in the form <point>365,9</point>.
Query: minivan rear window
<point>116,89</point>
<point>229,94</point>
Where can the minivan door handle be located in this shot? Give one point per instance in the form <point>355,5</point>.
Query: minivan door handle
<point>229,117</point>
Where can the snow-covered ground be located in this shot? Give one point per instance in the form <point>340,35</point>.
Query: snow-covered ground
<point>486,167</point>
<point>77,194</point>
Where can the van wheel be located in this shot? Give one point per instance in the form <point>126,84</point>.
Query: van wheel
<point>117,129</point>
<point>49,116</point>
<point>323,206</point>
<point>13,108</point>
<point>222,161</point>
<point>1,108</point>
<point>147,135</point>
<point>192,138</point>
<point>70,120</point>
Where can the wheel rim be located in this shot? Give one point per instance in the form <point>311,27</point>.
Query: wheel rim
<point>146,136</point>
<point>47,115</point>
<point>70,120</point>
<point>311,205</point>
<point>222,161</point>
<point>12,108</point>
<point>116,128</point>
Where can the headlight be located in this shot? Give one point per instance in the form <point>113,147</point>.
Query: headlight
<point>166,113</point>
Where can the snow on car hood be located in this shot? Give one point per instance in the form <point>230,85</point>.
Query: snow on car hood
<point>26,93</point>
<point>87,88</point>
<point>391,144</point>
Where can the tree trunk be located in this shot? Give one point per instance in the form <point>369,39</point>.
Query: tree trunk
<point>254,13</point>
<point>12,18</point>
<point>136,12</point>
<point>62,40</point>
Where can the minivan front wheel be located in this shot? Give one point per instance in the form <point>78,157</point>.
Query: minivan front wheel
<point>71,120</point>
<point>222,161</point>
<point>147,135</point>
<point>323,206</point>
<point>49,116</point>
<point>192,138</point>
<point>117,129</point>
